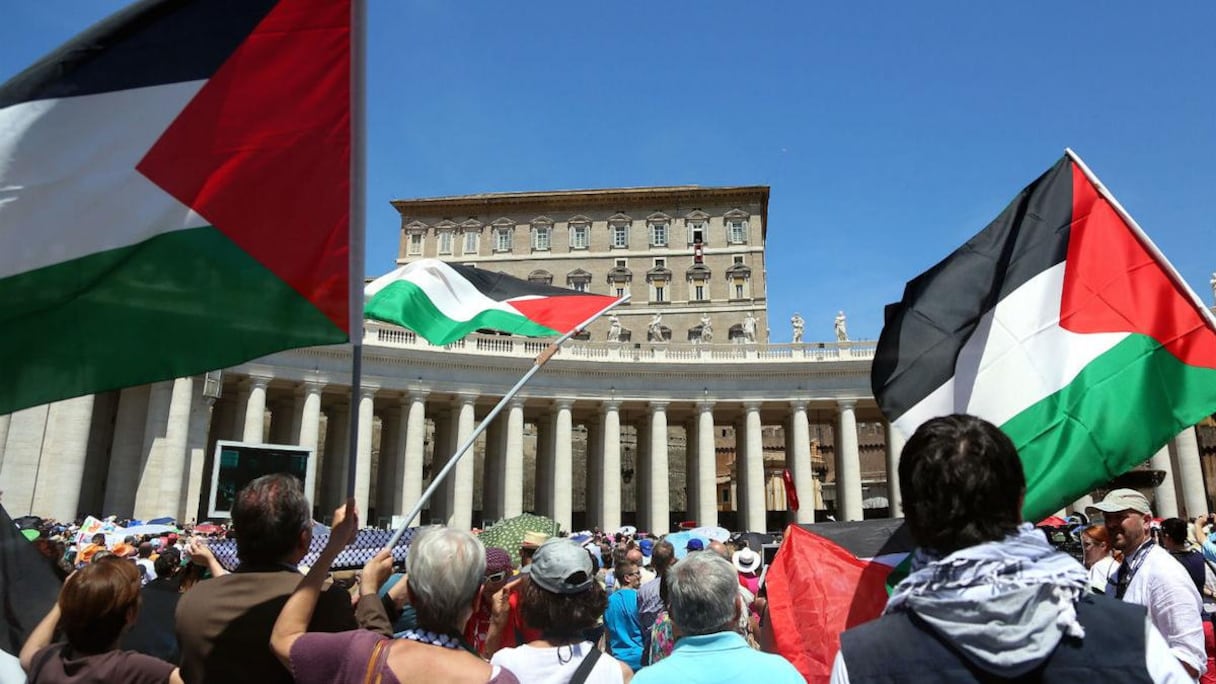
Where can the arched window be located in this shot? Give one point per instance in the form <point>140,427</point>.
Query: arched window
<point>540,276</point>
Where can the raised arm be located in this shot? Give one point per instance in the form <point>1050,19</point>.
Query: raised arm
<point>40,638</point>
<point>297,612</point>
<point>200,554</point>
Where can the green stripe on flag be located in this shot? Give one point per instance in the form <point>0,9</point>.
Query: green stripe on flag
<point>148,312</point>
<point>404,303</point>
<point>1122,407</point>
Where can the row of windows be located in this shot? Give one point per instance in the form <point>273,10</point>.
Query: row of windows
<point>542,237</point>
<point>738,287</point>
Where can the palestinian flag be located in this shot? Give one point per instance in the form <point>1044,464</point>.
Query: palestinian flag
<point>1058,323</point>
<point>174,195</point>
<point>827,578</point>
<point>444,302</point>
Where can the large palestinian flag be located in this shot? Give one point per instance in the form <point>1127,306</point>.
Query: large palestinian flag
<point>174,195</point>
<point>1057,323</point>
<point>443,302</point>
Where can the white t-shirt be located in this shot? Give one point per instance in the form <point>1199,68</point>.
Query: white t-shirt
<point>147,570</point>
<point>1163,586</point>
<point>556,665</point>
<point>1101,573</point>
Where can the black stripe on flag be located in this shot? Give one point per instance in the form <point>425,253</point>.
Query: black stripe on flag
<point>923,334</point>
<point>154,42</point>
<point>501,287</point>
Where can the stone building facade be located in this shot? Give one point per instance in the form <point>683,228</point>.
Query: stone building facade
<point>682,253</point>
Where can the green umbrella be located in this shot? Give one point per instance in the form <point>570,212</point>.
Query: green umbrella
<point>509,534</point>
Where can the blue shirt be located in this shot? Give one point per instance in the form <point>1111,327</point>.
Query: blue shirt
<point>720,657</point>
<point>624,632</point>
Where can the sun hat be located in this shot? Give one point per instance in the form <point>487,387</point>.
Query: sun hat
<point>533,540</point>
<point>562,567</point>
<point>1118,500</point>
<point>746,561</point>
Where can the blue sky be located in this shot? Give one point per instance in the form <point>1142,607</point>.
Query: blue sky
<point>890,132</point>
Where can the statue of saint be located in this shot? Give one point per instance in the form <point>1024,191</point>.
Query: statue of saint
<point>749,328</point>
<point>614,328</point>
<point>1213,283</point>
<point>799,325</point>
<point>655,329</point>
<point>842,330</point>
<point>707,329</point>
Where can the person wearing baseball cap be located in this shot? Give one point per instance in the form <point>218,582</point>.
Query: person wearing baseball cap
<point>1151,578</point>
<point>563,601</point>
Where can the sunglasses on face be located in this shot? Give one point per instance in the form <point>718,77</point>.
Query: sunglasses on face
<point>497,577</point>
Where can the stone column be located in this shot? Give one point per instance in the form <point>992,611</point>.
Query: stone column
<point>388,470</point>
<point>126,451</point>
<point>513,460</point>
<point>848,464</point>
<point>415,450</point>
<point>1166,505</point>
<point>608,514</point>
<point>799,462</point>
<point>544,464</point>
<point>308,410</point>
<point>562,480</point>
<point>754,514</point>
<point>1081,504</point>
<point>175,451</point>
<point>4,421</point>
<point>255,410</point>
<point>659,489</point>
<point>895,446</point>
<point>460,481</point>
<point>152,456</point>
<point>595,471</point>
<point>1190,473</point>
<point>363,458</point>
<point>337,446</point>
<point>62,458</point>
<point>196,447</point>
<point>707,466</point>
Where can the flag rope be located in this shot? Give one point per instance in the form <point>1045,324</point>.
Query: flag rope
<point>541,359</point>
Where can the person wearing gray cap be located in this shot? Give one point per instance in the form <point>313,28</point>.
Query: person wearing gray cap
<point>563,601</point>
<point>1151,578</point>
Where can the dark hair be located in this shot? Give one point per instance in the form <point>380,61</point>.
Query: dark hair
<point>167,563</point>
<point>623,568</point>
<point>562,616</point>
<point>99,538</point>
<point>1175,529</point>
<point>94,603</point>
<point>662,557</point>
<point>961,482</point>
<point>269,514</point>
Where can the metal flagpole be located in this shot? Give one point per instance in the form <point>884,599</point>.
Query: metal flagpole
<point>1144,239</point>
<point>358,54</point>
<point>541,359</point>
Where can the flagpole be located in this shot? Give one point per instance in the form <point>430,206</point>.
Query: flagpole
<point>1145,240</point>
<point>541,359</point>
<point>358,54</point>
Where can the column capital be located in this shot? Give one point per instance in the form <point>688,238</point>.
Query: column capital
<point>517,402</point>
<point>368,391</point>
<point>416,394</point>
<point>465,399</point>
<point>847,404</point>
<point>257,381</point>
<point>610,405</point>
<point>311,387</point>
<point>706,405</point>
<point>563,403</point>
<point>798,405</point>
<point>752,405</point>
<point>658,405</point>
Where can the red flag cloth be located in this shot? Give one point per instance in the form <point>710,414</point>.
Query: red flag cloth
<point>816,590</point>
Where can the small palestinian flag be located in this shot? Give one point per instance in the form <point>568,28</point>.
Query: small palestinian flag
<point>1060,324</point>
<point>827,578</point>
<point>444,302</point>
<point>174,195</point>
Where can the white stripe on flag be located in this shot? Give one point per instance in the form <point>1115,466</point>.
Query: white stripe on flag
<point>1017,356</point>
<point>68,184</point>
<point>454,296</point>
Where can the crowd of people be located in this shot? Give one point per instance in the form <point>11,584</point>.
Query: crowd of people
<point>987,597</point>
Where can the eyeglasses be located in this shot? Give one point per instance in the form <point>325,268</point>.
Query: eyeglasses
<point>497,577</point>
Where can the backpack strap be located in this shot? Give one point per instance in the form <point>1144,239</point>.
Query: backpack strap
<point>584,668</point>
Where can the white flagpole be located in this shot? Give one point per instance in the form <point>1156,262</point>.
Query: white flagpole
<point>541,359</point>
<point>1179,282</point>
<point>358,54</point>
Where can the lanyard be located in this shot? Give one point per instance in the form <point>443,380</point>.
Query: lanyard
<point>1130,567</point>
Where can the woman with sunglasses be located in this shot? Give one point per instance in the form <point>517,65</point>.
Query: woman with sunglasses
<point>489,628</point>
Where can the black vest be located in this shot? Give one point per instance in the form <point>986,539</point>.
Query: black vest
<point>902,648</point>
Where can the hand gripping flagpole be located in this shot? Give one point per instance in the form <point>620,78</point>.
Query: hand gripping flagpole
<point>541,359</point>
<point>1176,277</point>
